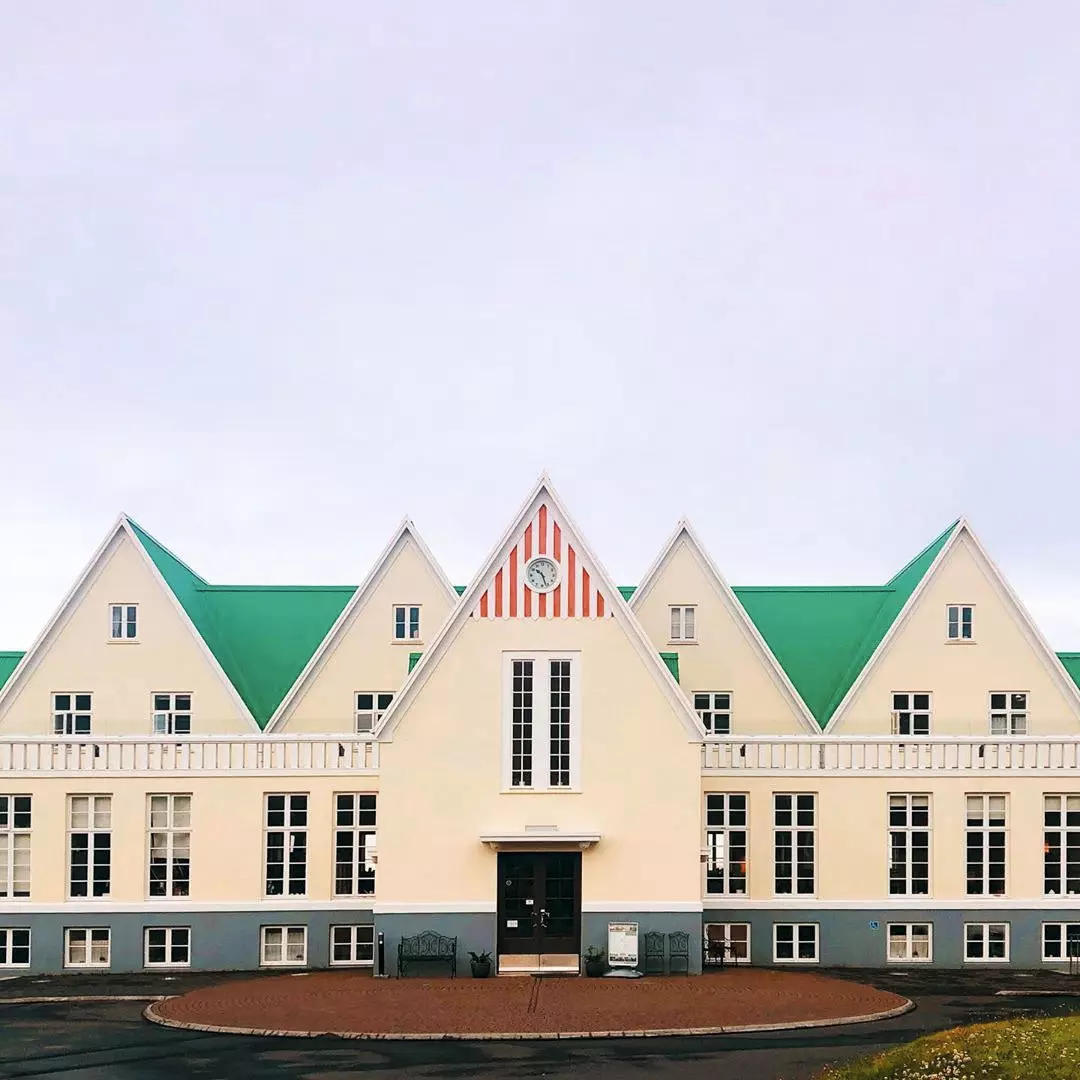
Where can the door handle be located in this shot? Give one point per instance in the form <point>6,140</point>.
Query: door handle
<point>544,919</point>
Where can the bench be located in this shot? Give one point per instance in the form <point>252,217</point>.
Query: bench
<point>427,947</point>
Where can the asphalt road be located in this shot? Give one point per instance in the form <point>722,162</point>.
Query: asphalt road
<point>111,1041</point>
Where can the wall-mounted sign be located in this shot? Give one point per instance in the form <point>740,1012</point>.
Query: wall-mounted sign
<point>874,924</point>
<point>622,944</point>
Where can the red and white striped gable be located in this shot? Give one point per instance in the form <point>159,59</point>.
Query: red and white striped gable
<point>575,597</point>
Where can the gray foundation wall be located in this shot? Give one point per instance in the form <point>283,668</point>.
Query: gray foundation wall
<point>475,932</point>
<point>594,930</point>
<point>848,939</point>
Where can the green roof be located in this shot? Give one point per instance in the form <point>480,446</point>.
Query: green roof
<point>414,659</point>
<point>1070,661</point>
<point>823,636</point>
<point>627,591</point>
<point>261,635</point>
<point>459,589</point>
<point>9,661</point>
<point>672,661</point>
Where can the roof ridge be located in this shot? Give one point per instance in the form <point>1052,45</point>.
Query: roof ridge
<point>940,539</point>
<point>144,535</point>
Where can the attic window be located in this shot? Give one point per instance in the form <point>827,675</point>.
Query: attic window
<point>407,622</point>
<point>123,622</point>
<point>959,618</point>
<point>684,623</point>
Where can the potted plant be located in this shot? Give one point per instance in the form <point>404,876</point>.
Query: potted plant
<point>481,964</point>
<point>595,961</point>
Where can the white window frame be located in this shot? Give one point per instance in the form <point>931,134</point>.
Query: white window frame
<point>909,711</point>
<point>362,838</point>
<point>985,830</point>
<point>713,709</point>
<point>124,617</point>
<point>796,942</point>
<point>794,829</point>
<point>681,633</point>
<point>168,830</point>
<point>729,958</point>
<point>984,959</point>
<point>719,836</point>
<point>66,721</point>
<point>407,624</point>
<point>1010,713</point>
<point>1066,937</point>
<point>170,933</point>
<point>908,832</point>
<point>1067,808</point>
<point>959,639</point>
<point>98,824</point>
<point>541,721</point>
<point>908,938</point>
<point>89,932</point>
<point>354,932</point>
<point>367,720</point>
<point>164,721</point>
<point>291,834</point>
<point>286,931</point>
<point>8,945</point>
<point>15,846</point>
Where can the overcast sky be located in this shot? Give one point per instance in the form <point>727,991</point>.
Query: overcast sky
<point>273,275</point>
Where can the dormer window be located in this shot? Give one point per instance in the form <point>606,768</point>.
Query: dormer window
<point>123,622</point>
<point>684,623</point>
<point>959,619</point>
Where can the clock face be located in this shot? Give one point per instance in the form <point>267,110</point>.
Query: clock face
<point>542,574</point>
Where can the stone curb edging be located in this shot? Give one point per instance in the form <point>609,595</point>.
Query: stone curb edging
<point>85,999</point>
<point>154,1017</point>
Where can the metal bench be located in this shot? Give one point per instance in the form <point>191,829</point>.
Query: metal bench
<point>427,947</point>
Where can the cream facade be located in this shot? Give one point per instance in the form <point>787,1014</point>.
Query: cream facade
<point>206,776</point>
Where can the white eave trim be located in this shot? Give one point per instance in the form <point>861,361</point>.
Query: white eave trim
<point>535,839</point>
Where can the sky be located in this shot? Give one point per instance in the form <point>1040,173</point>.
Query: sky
<point>274,275</point>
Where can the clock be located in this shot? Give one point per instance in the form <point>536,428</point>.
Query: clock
<point>541,574</point>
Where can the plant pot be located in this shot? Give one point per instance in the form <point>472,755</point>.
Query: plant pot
<point>481,969</point>
<point>593,968</point>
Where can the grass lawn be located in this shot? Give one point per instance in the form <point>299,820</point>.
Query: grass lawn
<point>1021,1049</point>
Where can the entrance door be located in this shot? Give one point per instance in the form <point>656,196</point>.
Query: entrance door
<point>539,911</point>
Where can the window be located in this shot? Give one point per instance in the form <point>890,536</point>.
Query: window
<point>540,740</point>
<point>909,845</point>
<point>715,712</point>
<point>407,623</point>
<point>986,845</point>
<point>795,943</point>
<point>15,846</point>
<point>986,942</point>
<point>86,948</point>
<point>71,714</point>
<point>911,714</point>
<point>727,943</point>
<point>1060,941</point>
<point>910,943</point>
<point>1008,713</point>
<point>683,621</point>
<point>370,708</point>
<point>1061,844</point>
<point>172,714</point>
<point>123,620</point>
<point>167,946</point>
<point>725,842</point>
<point>286,845</point>
<point>352,944</point>
<point>169,871</point>
<point>90,845</point>
<point>354,843</point>
<point>14,946</point>
<point>284,945</point>
<point>794,844</point>
<point>958,619</point>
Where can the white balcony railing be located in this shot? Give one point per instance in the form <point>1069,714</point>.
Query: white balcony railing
<point>126,755</point>
<point>806,754</point>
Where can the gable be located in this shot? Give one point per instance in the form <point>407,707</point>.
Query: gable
<point>76,655</point>
<point>360,653</point>
<point>1007,654</point>
<point>727,656</point>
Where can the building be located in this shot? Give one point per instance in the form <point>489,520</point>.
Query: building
<point>223,777</point>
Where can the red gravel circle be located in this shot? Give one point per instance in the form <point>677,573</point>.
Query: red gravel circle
<point>351,1002</point>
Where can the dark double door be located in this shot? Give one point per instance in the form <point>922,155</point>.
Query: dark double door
<point>539,910</point>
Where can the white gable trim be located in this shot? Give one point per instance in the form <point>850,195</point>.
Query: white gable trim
<point>620,611</point>
<point>36,653</point>
<point>405,531</point>
<point>1008,596</point>
<point>684,531</point>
